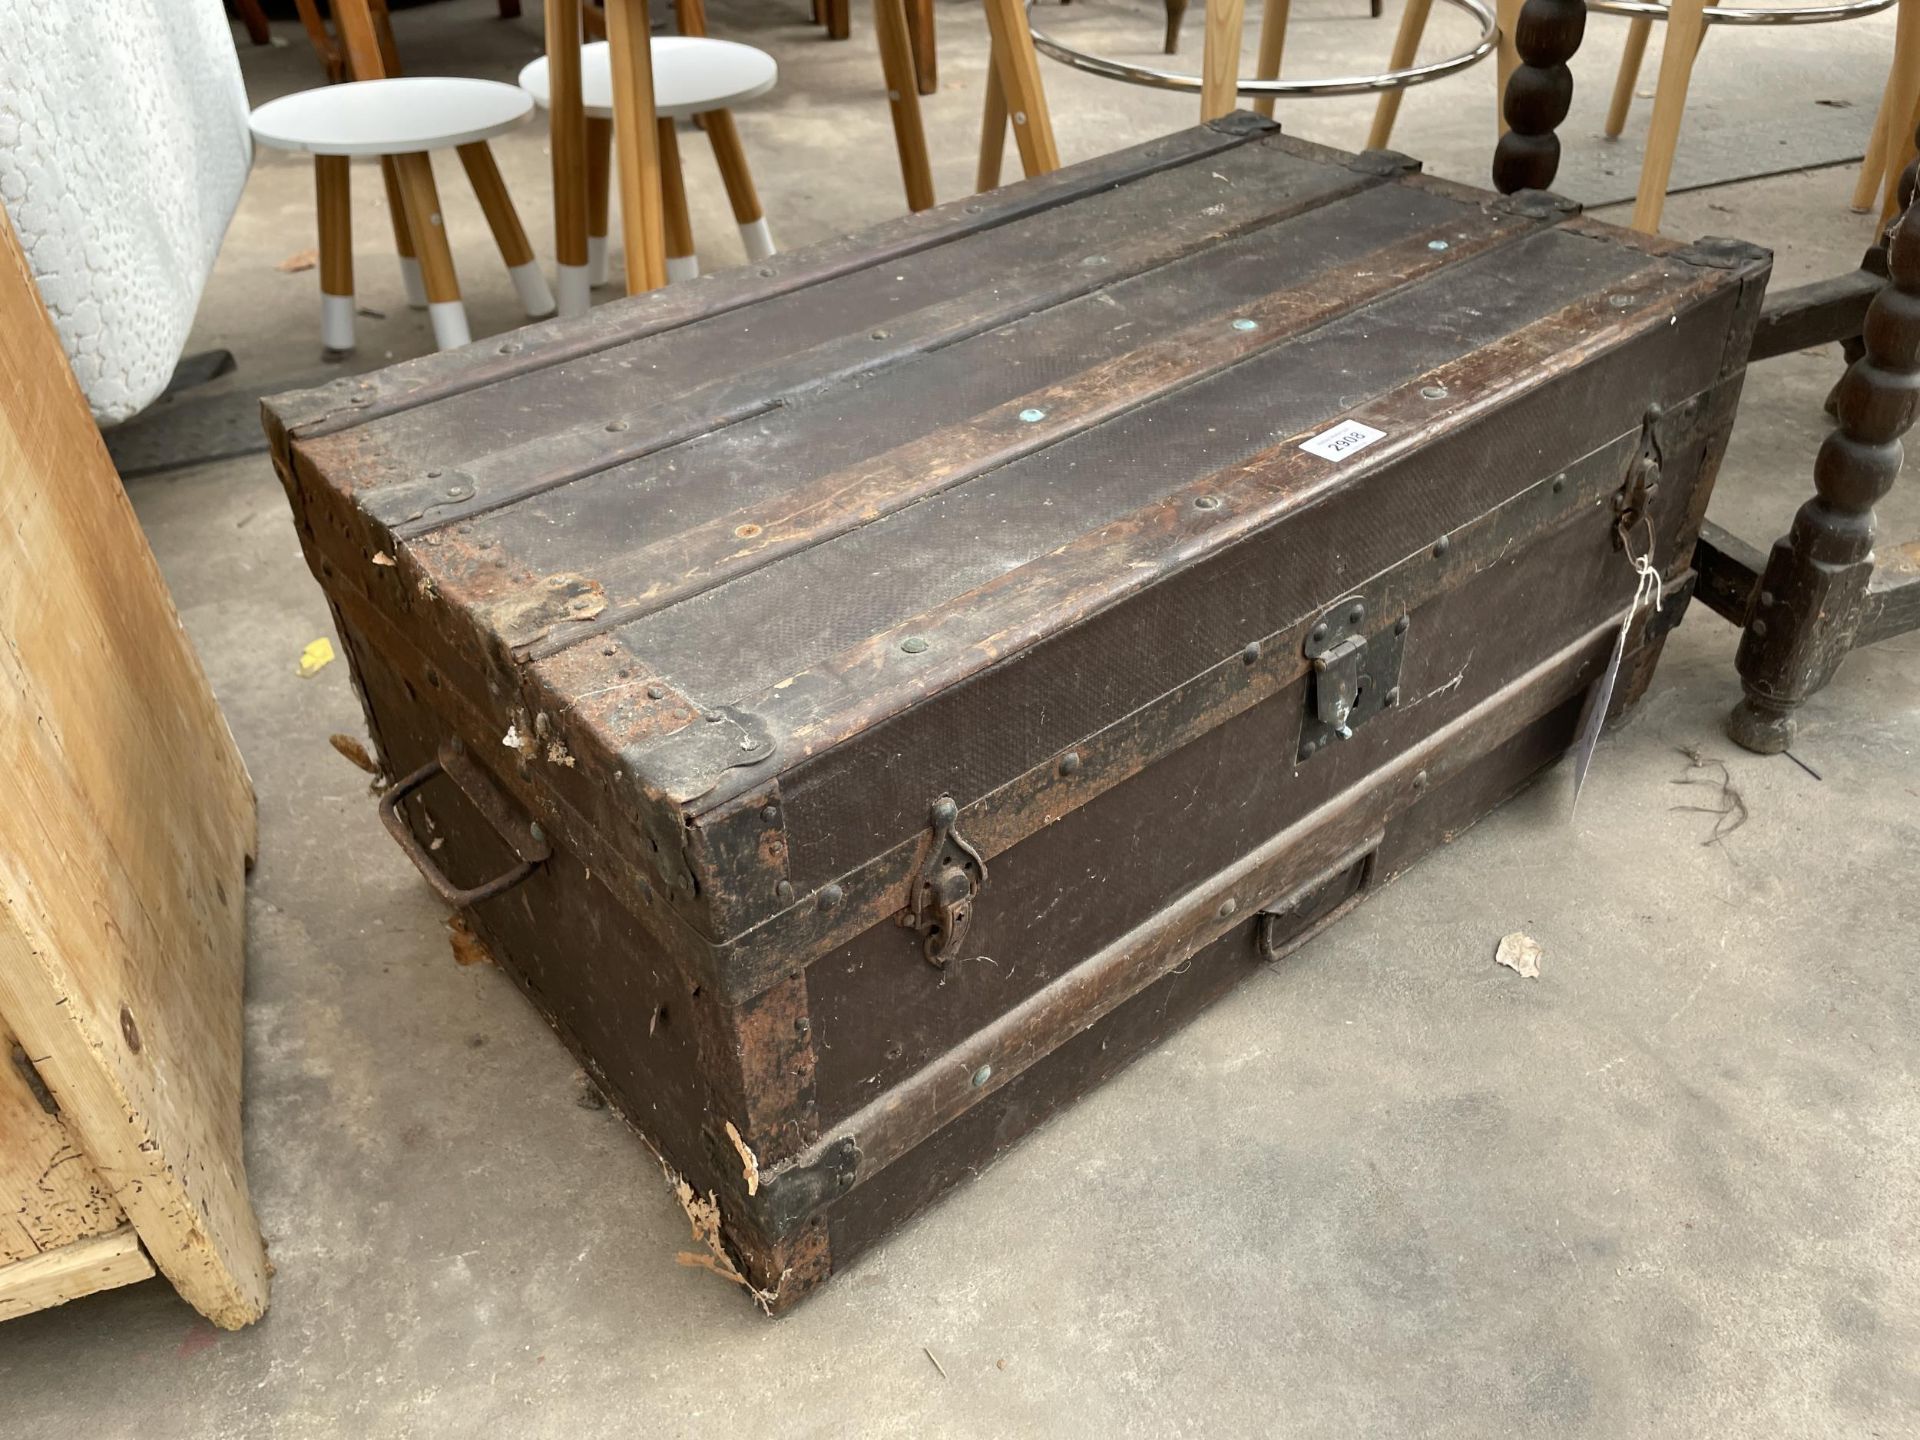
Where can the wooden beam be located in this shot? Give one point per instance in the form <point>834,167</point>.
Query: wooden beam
<point>1729,569</point>
<point>82,1268</point>
<point>1814,314</point>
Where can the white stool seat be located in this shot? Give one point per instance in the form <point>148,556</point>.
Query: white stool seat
<point>391,117</point>
<point>692,74</point>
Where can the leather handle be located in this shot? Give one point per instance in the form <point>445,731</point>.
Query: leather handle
<point>524,836</point>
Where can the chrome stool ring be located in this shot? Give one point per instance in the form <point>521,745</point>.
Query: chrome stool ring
<point>1750,15</point>
<point>1341,85</point>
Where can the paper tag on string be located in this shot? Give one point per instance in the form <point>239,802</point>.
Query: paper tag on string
<point>1646,594</point>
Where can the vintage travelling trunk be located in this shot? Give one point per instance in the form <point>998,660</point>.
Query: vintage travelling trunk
<point>867,698</point>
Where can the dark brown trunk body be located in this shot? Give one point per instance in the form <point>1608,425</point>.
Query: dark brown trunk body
<point>987,543</point>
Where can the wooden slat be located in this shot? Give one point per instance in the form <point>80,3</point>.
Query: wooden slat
<point>701,556</point>
<point>346,404</point>
<point>822,704</point>
<point>124,839</point>
<point>49,1192</point>
<point>555,428</point>
<point>82,1268</point>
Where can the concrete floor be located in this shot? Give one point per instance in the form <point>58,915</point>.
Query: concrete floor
<point>1667,1188</point>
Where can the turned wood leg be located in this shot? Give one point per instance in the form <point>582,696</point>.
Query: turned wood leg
<point>742,195</point>
<point>599,192</point>
<point>403,237</point>
<point>1538,93</point>
<point>1176,13</point>
<point>508,234</point>
<point>333,204</point>
<point>1220,61</point>
<point>567,145</point>
<point>636,136</point>
<point>1628,76</point>
<point>682,263</point>
<point>903,97</point>
<point>839,19</point>
<point>1406,44</point>
<point>1273,46</point>
<point>1019,69</point>
<point>1813,592</point>
<point>444,306</point>
<point>993,133</point>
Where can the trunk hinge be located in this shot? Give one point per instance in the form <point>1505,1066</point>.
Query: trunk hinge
<point>943,892</point>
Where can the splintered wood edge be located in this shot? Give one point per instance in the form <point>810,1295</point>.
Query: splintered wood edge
<point>101,1262</point>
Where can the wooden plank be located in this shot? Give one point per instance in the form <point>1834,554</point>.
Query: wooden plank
<point>347,403</point>
<point>102,1262</point>
<point>1077,486</point>
<point>806,510</point>
<point>49,1193</point>
<point>125,840</point>
<point>565,422</point>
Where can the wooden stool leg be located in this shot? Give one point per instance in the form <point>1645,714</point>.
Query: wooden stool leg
<point>1220,62</point>
<point>682,263</point>
<point>1273,44</point>
<point>1406,44</point>
<point>1686,19</point>
<point>599,187</point>
<point>993,133</point>
<point>1813,595</point>
<point>403,237</point>
<point>255,19</point>
<point>333,204</point>
<point>1628,75</point>
<point>567,142</point>
<point>1898,151</point>
<point>741,194</point>
<point>839,19</point>
<point>926,64</point>
<point>1019,67</point>
<point>1507,59</point>
<point>909,135</point>
<point>504,221</point>
<point>1868,185</point>
<point>638,145</point>
<point>1176,13</point>
<point>444,306</point>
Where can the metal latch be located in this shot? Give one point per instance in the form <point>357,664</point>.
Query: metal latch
<point>941,906</point>
<point>1355,676</point>
<point>1336,683</point>
<point>1636,493</point>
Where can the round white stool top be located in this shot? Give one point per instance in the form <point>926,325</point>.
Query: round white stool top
<point>390,117</point>
<point>691,75</point>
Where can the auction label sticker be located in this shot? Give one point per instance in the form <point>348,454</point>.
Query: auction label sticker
<point>1342,440</point>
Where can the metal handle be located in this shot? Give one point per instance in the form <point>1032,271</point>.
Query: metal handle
<point>525,837</point>
<point>1275,941</point>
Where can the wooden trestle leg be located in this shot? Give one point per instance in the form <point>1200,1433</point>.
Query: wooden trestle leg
<point>1813,595</point>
